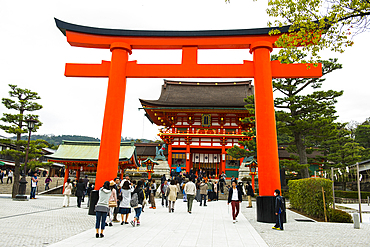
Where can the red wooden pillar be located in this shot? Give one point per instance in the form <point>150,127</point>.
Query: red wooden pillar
<point>66,176</point>
<point>187,158</point>
<point>169,158</point>
<point>223,159</point>
<point>121,174</point>
<point>78,174</point>
<point>267,149</point>
<point>113,115</point>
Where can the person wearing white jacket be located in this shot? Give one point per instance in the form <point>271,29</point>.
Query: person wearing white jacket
<point>67,192</point>
<point>190,193</point>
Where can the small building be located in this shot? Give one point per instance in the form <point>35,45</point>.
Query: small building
<point>201,120</point>
<point>83,156</point>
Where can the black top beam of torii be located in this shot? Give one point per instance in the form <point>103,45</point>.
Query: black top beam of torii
<point>63,26</point>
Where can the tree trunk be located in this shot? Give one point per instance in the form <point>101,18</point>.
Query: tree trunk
<point>16,178</point>
<point>301,149</point>
<point>17,167</point>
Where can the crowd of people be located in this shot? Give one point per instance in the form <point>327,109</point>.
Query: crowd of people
<point>120,197</point>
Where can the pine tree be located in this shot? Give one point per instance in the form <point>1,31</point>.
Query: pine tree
<point>340,150</point>
<point>15,123</point>
<point>362,134</point>
<point>309,118</point>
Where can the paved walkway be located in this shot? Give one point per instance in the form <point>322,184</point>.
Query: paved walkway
<point>44,222</point>
<point>206,226</point>
<point>40,222</point>
<point>298,233</point>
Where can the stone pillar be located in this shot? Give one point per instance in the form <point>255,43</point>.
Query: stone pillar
<point>113,115</point>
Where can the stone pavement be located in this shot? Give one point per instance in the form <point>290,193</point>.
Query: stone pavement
<point>40,222</point>
<point>309,233</point>
<point>44,222</point>
<point>206,226</point>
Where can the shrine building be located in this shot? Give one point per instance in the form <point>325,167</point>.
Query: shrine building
<point>82,156</point>
<point>201,120</point>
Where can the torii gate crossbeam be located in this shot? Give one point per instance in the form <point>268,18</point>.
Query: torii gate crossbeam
<point>122,42</point>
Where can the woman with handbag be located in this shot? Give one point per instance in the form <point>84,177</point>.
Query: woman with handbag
<point>124,206</point>
<point>102,208</point>
<point>67,192</point>
<point>112,202</point>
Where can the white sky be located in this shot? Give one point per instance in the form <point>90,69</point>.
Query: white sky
<point>33,53</point>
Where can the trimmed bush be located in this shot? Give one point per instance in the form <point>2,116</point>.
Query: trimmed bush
<point>306,195</point>
<point>351,194</point>
<point>285,193</point>
<point>340,216</point>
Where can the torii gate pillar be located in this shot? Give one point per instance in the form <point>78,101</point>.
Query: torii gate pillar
<point>113,114</point>
<point>267,148</point>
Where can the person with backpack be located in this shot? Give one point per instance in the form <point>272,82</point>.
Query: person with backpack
<point>250,193</point>
<point>279,209</point>
<point>164,186</point>
<point>137,199</point>
<point>124,206</point>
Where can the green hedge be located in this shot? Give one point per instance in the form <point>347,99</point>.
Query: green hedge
<point>306,195</point>
<point>351,194</point>
<point>340,216</point>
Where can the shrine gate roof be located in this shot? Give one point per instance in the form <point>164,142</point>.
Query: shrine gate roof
<point>202,94</point>
<point>88,151</point>
<point>65,26</point>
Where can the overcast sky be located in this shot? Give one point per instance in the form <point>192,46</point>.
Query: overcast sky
<point>33,53</point>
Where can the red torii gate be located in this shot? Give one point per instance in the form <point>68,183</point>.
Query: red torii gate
<point>122,42</point>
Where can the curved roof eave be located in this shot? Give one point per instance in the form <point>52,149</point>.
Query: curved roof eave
<point>64,26</point>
